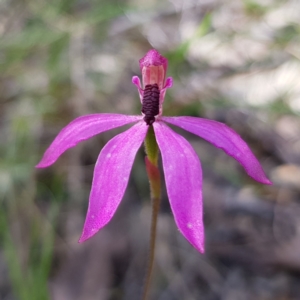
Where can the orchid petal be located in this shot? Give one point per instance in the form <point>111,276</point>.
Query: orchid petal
<point>111,176</point>
<point>183,178</point>
<point>136,81</point>
<point>222,136</point>
<point>82,129</point>
<point>168,84</point>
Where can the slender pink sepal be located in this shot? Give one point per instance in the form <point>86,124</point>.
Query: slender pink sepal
<point>183,176</point>
<point>111,176</point>
<point>82,129</point>
<point>222,136</point>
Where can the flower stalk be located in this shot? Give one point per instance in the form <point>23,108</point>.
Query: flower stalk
<point>151,161</point>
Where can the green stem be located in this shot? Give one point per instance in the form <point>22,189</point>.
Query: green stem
<point>155,210</point>
<point>151,161</point>
<point>151,146</point>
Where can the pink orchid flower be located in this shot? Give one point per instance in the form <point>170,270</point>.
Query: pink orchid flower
<point>181,165</point>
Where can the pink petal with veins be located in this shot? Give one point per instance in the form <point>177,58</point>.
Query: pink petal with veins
<point>222,136</point>
<point>82,129</point>
<point>111,176</point>
<point>183,178</point>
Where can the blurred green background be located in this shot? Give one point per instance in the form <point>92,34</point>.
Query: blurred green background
<point>235,61</point>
